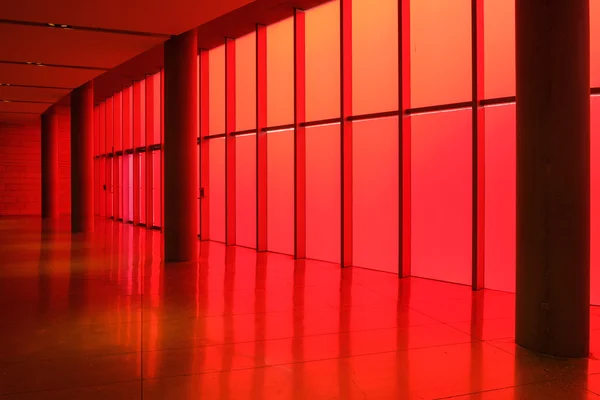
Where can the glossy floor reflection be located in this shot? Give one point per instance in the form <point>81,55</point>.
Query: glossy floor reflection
<point>101,317</point>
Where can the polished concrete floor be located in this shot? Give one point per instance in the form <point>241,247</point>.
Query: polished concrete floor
<point>101,318</point>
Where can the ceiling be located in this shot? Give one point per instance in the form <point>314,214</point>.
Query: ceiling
<point>99,35</point>
<point>112,42</point>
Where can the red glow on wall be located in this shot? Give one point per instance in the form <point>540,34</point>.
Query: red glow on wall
<point>245,82</point>
<point>280,73</point>
<point>323,61</point>
<point>156,188</point>
<point>280,192</point>
<point>500,197</point>
<point>323,193</point>
<point>246,190</point>
<point>142,190</point>
<point>499,48</point>
<point>594,43</point>
<point>374,56</point>
<point>440,57</point>
<point>441,196</point>
<point>375,194</point>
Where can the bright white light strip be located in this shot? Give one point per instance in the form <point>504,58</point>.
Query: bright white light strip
<point>500,105</point>
<point>280,130</point>
<point>246,134</point>
<point>416,114</point>
<point>329,124</point>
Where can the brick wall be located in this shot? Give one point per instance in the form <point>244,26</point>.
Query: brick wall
<point>20,168</point>
<point>20,175</point>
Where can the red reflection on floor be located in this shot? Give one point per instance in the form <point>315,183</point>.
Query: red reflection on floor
<point>102,317</point>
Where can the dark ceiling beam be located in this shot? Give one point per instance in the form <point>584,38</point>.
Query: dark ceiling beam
<point>85,28</point>
<point>41,65</point>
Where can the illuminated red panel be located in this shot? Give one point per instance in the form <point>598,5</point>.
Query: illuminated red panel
<point>440,57</point>
<point>118,121</point>
<point>216,89</point>
<point>141,103</point>
<point>500,197</point>
<point>594,201</point>
<point>374,56</point>
<point>595,43</point>
<point>156,188</point>
<point>323,61</point>
<point>280,192</point>
<point>109,125</point>
<point>280,73</point>
<point>245,82</point>
<point>130,174</point>
<point>499,48</point>
<point>120,186</point>
<point>142,169</point>
<point>441,196</point>
<point>245,172</point>
<point>375,194</point>
<point>217,189</point>
<point>156,128</point>
<point>323,193</point>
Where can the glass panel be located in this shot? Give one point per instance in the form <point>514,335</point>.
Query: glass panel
<point>156,108</point>
<point>109,125</point>
<point>441,196</point>
<point>595,43</point>
<point>499,48</point>
<point>246,190</point>
<point>374,56</point>
<point>216,90</point>
<point>216,190</point>
<point>118,121</point>
<point>500,197</point>
<point>280,192</point>
<point>375,194</point>
<point>142,170</point>
<point>440,35</point>
<point>280,73</point>
<point>323,227</point>
<point>323,61</point>
<point>594,201</point>
<point>245,82</point>
<point>156,188</point>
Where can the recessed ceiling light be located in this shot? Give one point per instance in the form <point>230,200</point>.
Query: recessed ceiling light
<point>51,24</point>
<point>29,62</point>
<point>39,64</point>
<point>64,26</point>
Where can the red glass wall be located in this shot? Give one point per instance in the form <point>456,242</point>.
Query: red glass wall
<point>375,194</point>
<point>441,196</point>
<point>156,188</point>
<point>280,73</point>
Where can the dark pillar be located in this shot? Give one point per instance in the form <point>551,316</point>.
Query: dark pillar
<point>82,158</point>
<point>181,163</point>
<point>553,176</point>
<point>50,164</point>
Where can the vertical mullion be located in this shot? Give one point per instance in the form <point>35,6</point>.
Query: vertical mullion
<point>299,135</point>
<point>204,153</point>
<point>261,138</point>
<point>346,131</point>
<point>404,125</point>
<point>230,156</point>
<point>149,115</point>
<point>478,148</point>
